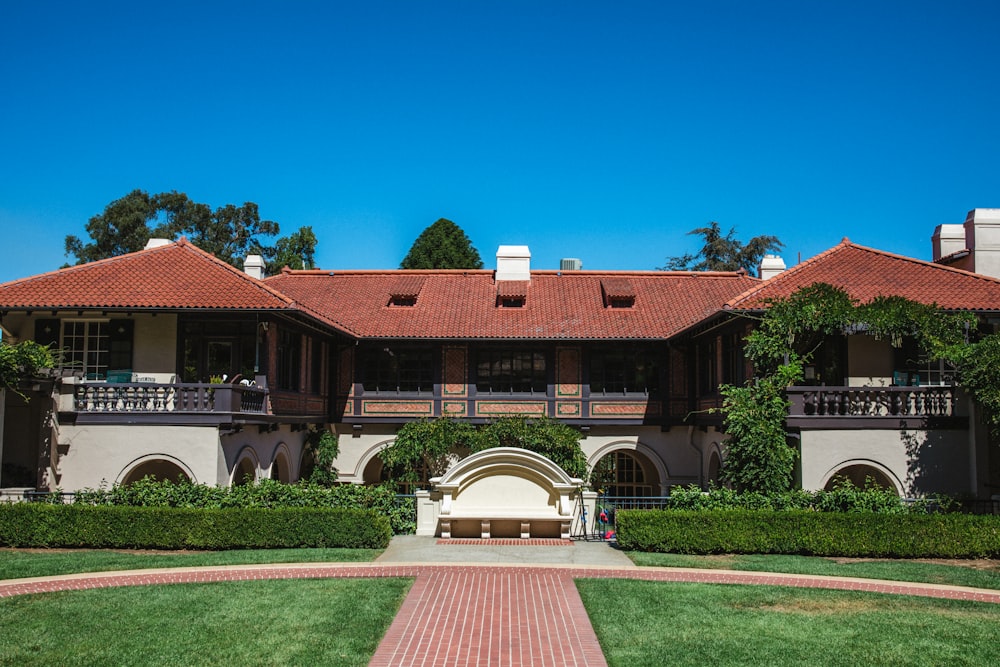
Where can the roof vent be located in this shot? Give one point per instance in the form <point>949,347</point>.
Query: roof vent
<point>570,264</point>
<point>156,243</point>
<point>513,263</point>
<point>771,266</point>
<point>253,266</point>
<point>405,290</point>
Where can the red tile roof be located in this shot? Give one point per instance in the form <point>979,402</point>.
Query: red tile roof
<point>463,304</point>
<point>177,275</point>
<point>865,273</point>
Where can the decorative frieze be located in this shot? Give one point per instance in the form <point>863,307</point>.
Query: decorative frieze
<point>397,408</point>
<point>503,408</point>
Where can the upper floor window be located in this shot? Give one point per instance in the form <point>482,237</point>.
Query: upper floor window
<point>624,370</point>
<point>708,380</point>
<point>402,369</point>
<point>733,360</point>
<point>91,347</point>
<point>289,359</point>
<point>506,370</point>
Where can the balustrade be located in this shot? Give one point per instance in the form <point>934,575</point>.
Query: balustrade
<point>148,398</point>
<point>872,401</point>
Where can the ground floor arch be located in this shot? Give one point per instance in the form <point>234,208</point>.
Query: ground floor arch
<point>280,466</point>
<point>861,474</point>
<point>245,470</point>
<point>626,471</point>
<point>157,467</point>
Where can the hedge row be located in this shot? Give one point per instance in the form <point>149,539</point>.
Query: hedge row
<point>40,525</point>
<point>859,535</point>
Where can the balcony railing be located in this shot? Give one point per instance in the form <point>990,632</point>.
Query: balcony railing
<point>147,398</point>
<point>873,402</point>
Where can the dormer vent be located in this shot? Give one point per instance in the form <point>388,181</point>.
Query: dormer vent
<point>405,290</point>
<point>512,293</point>
<point>617,292</point>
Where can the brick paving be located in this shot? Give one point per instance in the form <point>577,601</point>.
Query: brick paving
<point>485,614</point>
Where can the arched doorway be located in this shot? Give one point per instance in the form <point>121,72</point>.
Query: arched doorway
<point>714,467</point>
<point>861,475</point>
<point>626,473</point>
<point>158,469</point>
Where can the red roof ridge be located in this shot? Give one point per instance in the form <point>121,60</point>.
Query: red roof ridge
<point>535,272</point>
<point>182,242</point>
<point>843,245</point>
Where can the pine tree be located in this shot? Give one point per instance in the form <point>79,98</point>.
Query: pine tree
<point>443,245</point>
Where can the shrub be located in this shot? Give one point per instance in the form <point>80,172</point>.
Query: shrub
<point>807,532</point>
<point>267,493</point>
<point>44,525</point>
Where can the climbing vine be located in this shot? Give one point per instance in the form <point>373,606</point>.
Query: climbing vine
<point>788,334</point>
<point>22,361</point>
<point>431,446</point>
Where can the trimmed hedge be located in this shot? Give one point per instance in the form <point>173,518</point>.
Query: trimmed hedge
<point>868,535</point>
<point>113,527</point>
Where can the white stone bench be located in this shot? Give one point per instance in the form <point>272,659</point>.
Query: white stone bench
<point>525,521</point>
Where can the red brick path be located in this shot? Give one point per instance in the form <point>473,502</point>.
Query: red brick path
<point>511,616</point>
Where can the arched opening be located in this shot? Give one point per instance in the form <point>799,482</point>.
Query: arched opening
<point>245,472</point>
<point>714,467</point>
<point>279,469</point>
<point>861,476</point>
<point>158,469</point>
<point>625,473</point>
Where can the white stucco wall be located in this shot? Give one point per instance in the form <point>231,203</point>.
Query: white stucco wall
<point>919,462</point>
<point>155,347</point>
<point>92,455</point>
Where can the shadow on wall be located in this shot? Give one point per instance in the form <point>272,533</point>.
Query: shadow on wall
<point>933,464</point>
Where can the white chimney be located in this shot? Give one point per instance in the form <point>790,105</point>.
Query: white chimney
<point>771,266</point>
<point>513,262</point>
<point>982,237</point>
<point>947,239</point>
<point>156,243</point>
<point>253,266</point>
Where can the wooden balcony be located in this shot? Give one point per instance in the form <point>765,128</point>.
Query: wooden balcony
<point>876,407</point>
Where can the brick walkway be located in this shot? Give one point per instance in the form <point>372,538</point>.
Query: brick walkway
<point>488,614</point>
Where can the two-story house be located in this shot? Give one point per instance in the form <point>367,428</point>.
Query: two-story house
<point>176,363</point>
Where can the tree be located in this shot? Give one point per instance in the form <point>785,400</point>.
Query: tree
<point>229,232</point>
<point>443,245</point>
<point>724,253</point>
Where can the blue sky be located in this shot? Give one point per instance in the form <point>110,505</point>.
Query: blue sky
<point>598,130</point>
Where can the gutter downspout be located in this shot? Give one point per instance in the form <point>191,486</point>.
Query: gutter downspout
<point>701,457</point>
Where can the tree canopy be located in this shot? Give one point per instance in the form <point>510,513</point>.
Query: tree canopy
<point>443,245</point>
<point>22,361</point>
<point>724,253</point>
<point>229,232</point>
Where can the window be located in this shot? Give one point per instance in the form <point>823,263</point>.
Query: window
<point>289,359</point>
<point>87,347</point>
<point>397,369</point>
<point>624,370</point>
<point>511,371</point>
<point>622,474</point>
<point>216,347</point>
<point>733,362</point>
<point>707,379</point>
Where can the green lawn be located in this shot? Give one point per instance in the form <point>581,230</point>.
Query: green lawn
<point>984,574</point>
<point>18,563</point>
<point>655,623</point>
<point>301,622</point>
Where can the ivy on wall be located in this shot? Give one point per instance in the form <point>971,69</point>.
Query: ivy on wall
<point>431,446</point>
<point>789,333</point>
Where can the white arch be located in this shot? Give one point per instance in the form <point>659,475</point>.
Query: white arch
<point>890,475</point>
<point>635,446</point>
<point>247,452</point>
<point>129,467</point>
<point>367,456</point>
